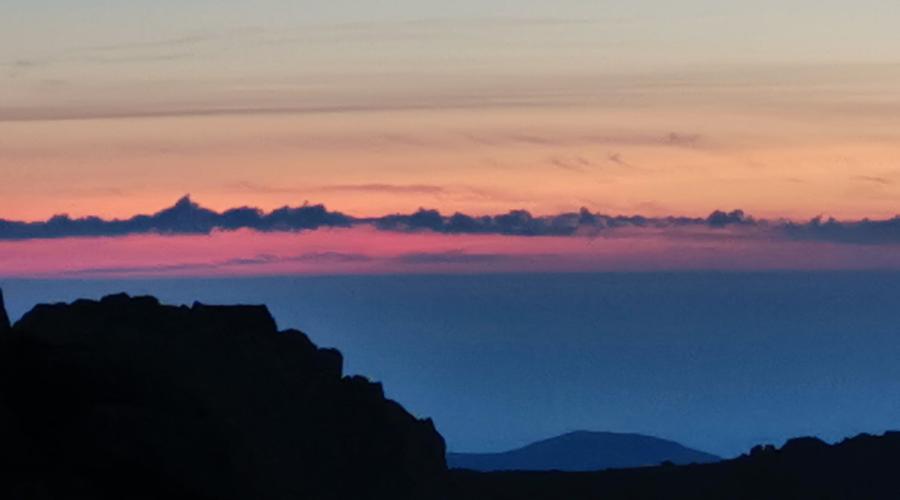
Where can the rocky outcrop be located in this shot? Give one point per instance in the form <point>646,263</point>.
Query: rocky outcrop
<point>128,398</point>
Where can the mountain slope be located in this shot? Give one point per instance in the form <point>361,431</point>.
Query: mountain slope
<point>583,451</point>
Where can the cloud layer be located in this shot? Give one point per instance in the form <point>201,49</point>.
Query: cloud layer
<point>188,217</point>
<point>185,217</point>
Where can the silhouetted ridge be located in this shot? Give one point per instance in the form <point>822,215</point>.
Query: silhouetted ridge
<point>804,468</point>
<point>4,318</point>
<point>127,398</point>
<point>583,451</point>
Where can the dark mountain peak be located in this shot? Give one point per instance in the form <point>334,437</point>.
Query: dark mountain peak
<point>124,394</point>
<point>4,318</point>
<point>584,451</point>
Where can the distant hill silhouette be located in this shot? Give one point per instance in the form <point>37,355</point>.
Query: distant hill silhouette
<point>864,467</point>
<point>129,399</point>
<point>583,451</point>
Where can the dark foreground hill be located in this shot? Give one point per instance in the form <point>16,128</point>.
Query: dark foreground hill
<point>583,451</point>
<point>864,467</point>
<point>129,399</point>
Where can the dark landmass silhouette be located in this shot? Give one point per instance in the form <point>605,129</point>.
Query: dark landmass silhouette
<point>4,318</point>
<point>125,398</point>
<point>583,451</point>
<point>188,217</point>
<point>804,468</point>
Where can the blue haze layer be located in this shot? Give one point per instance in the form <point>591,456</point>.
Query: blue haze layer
<point>716,361</point>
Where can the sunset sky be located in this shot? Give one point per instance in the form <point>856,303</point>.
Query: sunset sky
<point>526,217</point>
<point>658,108</point>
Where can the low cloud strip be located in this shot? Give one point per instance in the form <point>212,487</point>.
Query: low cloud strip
<point>188,217</point>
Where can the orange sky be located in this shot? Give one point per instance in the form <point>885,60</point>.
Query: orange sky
<point>684,158</point>
<point>649,106</point>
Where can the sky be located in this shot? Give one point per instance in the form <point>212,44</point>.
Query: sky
<point>782,109</point>
<point>572,164</point>
<point>647,108</point>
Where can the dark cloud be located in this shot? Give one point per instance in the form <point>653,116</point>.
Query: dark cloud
<point>187,217</point>
<point>735,217</point>
<point>864,232</point>
<point>516,222</point>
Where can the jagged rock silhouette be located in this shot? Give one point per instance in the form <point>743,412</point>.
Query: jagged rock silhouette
<point>126,398</point>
